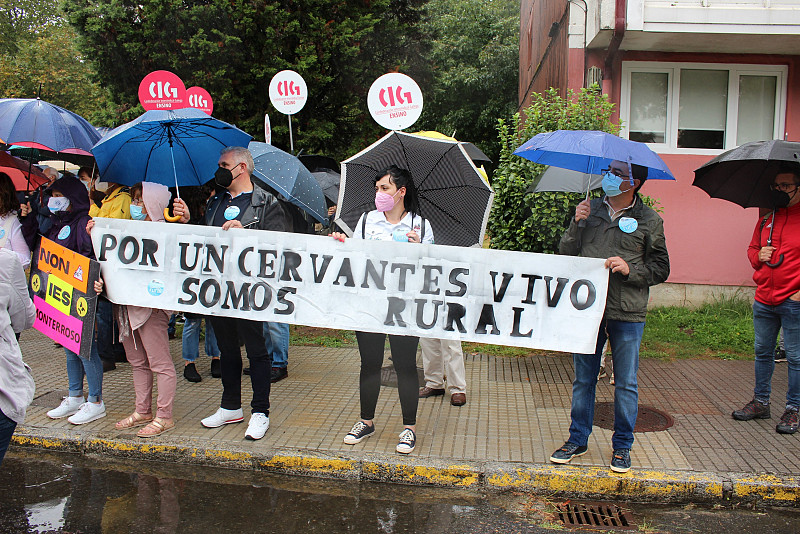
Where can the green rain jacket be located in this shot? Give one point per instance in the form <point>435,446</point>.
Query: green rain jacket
<point>644,249</point>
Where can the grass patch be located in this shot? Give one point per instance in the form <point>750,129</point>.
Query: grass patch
<point>722,329</point>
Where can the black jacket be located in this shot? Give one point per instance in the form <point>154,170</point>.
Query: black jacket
<point>265,212</point>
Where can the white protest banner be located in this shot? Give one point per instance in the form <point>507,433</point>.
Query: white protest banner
<point>488,296</point>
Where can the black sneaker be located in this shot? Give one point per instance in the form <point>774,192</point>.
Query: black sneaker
<point>216,368</point>
<point>752,410</point>
<point>190,373</point>
<point>780,355</point>
<point>621,461</point>
<point>246,371</point>
<point>408,440</point>
<point>359,431</point>
<point>788,424</point>
<point>278,374</point>
<point>567,452</point>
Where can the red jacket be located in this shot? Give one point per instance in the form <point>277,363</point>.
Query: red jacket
<point>774,285</point>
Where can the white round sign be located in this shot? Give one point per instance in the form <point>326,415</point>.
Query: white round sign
<point>395,101</point>
<point>288,92</point>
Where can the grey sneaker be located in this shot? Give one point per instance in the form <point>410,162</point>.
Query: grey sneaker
<point>567,452</point>
<point>789,422</point>
<point>621,461</point>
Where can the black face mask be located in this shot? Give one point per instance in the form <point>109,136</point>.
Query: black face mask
<point>223,177</point>
<point>779,199</point>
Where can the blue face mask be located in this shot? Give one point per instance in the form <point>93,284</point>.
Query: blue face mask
<point>611,183</point>
<point>137,213</point>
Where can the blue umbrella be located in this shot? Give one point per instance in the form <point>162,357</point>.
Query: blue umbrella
<point>169,147</point>
<point>34,123</point>
<point>590,152</point>
<point>288,176</point>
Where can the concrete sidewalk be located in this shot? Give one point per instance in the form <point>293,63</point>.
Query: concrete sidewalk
<point>517,414</point>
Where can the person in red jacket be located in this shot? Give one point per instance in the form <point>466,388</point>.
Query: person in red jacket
<point>777,300</point>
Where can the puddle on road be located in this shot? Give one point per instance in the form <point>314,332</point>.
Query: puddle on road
<point>45,492</point>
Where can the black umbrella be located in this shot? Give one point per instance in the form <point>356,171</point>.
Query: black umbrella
<point>744,175</point>
<point>329,182</point>
<point>452,194</point>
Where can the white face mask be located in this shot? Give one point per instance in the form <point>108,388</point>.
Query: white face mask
<point>56,204</point>
<point>101,186</point>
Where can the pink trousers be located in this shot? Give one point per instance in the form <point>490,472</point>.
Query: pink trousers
<point>147,350</point>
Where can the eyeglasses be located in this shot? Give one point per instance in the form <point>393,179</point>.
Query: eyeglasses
<point>784,187</point>
<point>615,172</point>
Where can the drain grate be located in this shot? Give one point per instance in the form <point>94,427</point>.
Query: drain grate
<point>594,515</point>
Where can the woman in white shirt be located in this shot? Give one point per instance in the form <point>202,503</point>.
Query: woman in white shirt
<point>395,219</point>
<point>11,236</point>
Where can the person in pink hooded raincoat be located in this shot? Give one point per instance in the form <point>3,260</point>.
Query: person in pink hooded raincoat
<point>143,332</point>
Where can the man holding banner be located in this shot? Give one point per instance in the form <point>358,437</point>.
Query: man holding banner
<point>630,235</point>
<point>241,205</point>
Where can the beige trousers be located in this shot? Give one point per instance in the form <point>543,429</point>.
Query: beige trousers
<point>443,359</point>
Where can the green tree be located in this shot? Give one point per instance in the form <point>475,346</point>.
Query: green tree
<point>233,48</point>
<point>534,222</point>
<point>23,20</point>
<point>473,62</point>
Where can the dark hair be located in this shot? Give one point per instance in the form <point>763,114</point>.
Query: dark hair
<point>639,173</point>
<point>8,195</point>
<point>90,171</point>
<point>402,178</point>
<point>137,187</point>
<point>790,167</point>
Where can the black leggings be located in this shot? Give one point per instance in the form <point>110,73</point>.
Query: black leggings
<point>404,358</point>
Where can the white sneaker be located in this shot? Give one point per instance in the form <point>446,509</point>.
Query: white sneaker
<point>223,417</point>
<point>259,423</point>
<point>68,406</point>
<point>89,412</point>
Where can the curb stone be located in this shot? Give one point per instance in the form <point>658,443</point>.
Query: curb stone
<point>494,477</point>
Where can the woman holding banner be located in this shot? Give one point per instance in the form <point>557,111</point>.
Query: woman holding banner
<point>144,335</point>
<point>395,219</point>
<point>69,208</point>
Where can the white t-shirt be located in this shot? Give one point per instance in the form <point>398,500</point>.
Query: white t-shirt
<point>378,228</point>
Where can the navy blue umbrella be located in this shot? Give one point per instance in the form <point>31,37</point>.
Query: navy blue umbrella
<point>34,123</point>
<point>169,147</point>
<point>590,152</point>
<point>288,176</point>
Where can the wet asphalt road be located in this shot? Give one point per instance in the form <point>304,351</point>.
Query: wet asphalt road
<point>41,492</point>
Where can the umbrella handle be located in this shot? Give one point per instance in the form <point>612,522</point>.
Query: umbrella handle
<point>769,243</point>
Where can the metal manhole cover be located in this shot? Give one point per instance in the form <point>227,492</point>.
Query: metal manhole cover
<point>650,419</point>
<point>389,377</point>
<point>51,399</point>
<point>594,515</point>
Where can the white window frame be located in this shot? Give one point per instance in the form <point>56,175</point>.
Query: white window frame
<point>673,70</point>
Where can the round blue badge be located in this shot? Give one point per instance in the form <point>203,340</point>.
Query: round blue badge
<point>2,233</point>
<point>231,212</point>
<point>628,225</point>
<point>400,235</point>
<point>155,287</point>
<point>64,233</point>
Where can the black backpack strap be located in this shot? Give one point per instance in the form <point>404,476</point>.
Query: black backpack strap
<point>422,230</point>
<point>364,226</point>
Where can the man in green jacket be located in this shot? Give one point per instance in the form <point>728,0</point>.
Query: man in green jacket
<point>630,235</point>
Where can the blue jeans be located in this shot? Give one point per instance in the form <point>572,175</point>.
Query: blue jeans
<point>7,427</point>
<point>92,369</point>
<point>624,338</point>
<point>277,337</point>
<point>190,341</point>
<point>767,321</point>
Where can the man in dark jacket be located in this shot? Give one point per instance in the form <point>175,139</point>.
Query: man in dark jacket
<point>777,300</point>
<point>630,235</point>
<point>241,204</point>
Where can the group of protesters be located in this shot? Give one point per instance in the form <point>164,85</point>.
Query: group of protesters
<point>618,227</point>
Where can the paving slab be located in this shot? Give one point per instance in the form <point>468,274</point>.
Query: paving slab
<point>517,414</point>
